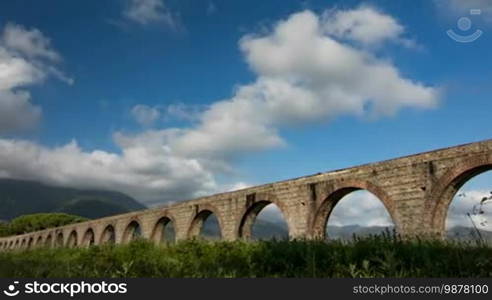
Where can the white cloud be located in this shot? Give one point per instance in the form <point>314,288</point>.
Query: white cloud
<point>145,115</point>
<point>32,42</point>
<point>365,25</point>
<point>303,74</point>
<point>271,213</point>
<point>149,11</point>
<point>360,208</point>
<point>236,186</point>
<point>26,58</point>
<point>144,169</point>
<point>462,204</point>
<point>16,112</point>
<point>183,111</point>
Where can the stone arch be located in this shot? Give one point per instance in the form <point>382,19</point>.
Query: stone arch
<point>48,241</point>
<point>39,241</point>
<point>203,212</point>
<point>253,208</point>
<point>23,243</point>
<point>72,240</point>
<point>59,240</point>
<point>331,196</point>
<point>108,235</point>
<point>132,231</point>
<point>441,195</point>
<point>89,238</point>
<point>30,242</point>
<point>158,232</point>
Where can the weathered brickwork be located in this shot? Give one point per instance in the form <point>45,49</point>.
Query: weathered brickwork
<point>416,190</point>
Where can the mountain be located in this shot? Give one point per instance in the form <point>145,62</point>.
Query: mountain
<point>347,232</point>
<point>20,197</point>
<point>462,233</point>
<point>262,230</point>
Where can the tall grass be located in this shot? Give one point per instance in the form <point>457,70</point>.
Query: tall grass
<point>377,256</point>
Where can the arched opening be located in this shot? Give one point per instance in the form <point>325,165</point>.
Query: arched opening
<point>89,238</point>
<point>11,244</point>
<point>23,243</point>
<point>469,215</point>
<point>30,243</point>
<point>206,225</point>
<point>164,232</point>
<point>352,211</point>
<point>132,232</point>
<point>59,240</point>
<point>263,221</point>
<point>108,236</point>
<point>48,241</point>
<point>39,241</point>
<point>72,239</point>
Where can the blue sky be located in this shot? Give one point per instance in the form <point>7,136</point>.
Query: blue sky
<point>129,95</point>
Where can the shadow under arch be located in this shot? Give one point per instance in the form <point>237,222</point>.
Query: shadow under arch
<point>108,236</point>
<point>200,217</point>
<point>336,193</point>
<point>89,238</point>
<point>39,241</point>
<point>72,239</point>
<point>48,242</point>
<point>132,231</point>
<point>249,214</point>
<point>30,242</point>
<point>59,240</point>
<point>159,234</point>
<point>440,197</point>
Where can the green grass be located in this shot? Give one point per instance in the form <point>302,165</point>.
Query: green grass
<point>368,257</point>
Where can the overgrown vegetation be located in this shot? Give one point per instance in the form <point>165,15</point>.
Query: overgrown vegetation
<point>34,222</point>
<point>377,256</point>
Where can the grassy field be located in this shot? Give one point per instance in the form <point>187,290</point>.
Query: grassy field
<point>368,257</point>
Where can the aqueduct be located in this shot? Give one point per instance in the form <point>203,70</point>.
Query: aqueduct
<point>416,190</point>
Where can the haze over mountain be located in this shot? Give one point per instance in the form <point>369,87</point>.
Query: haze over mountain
<point>20,197</point>
<point>265,229</point>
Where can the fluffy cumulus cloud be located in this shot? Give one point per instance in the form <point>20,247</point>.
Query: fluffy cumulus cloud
<point>360,208</point>
<point>305,73</point>
<point>148,11</point>
<point>365,25</point>
<point>146,171</point>
<point>26,58</point>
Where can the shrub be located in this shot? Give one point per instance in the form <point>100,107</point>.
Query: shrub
<point>367,257</point>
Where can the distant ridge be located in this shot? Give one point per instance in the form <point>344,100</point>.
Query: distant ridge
<point>20,197</point>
